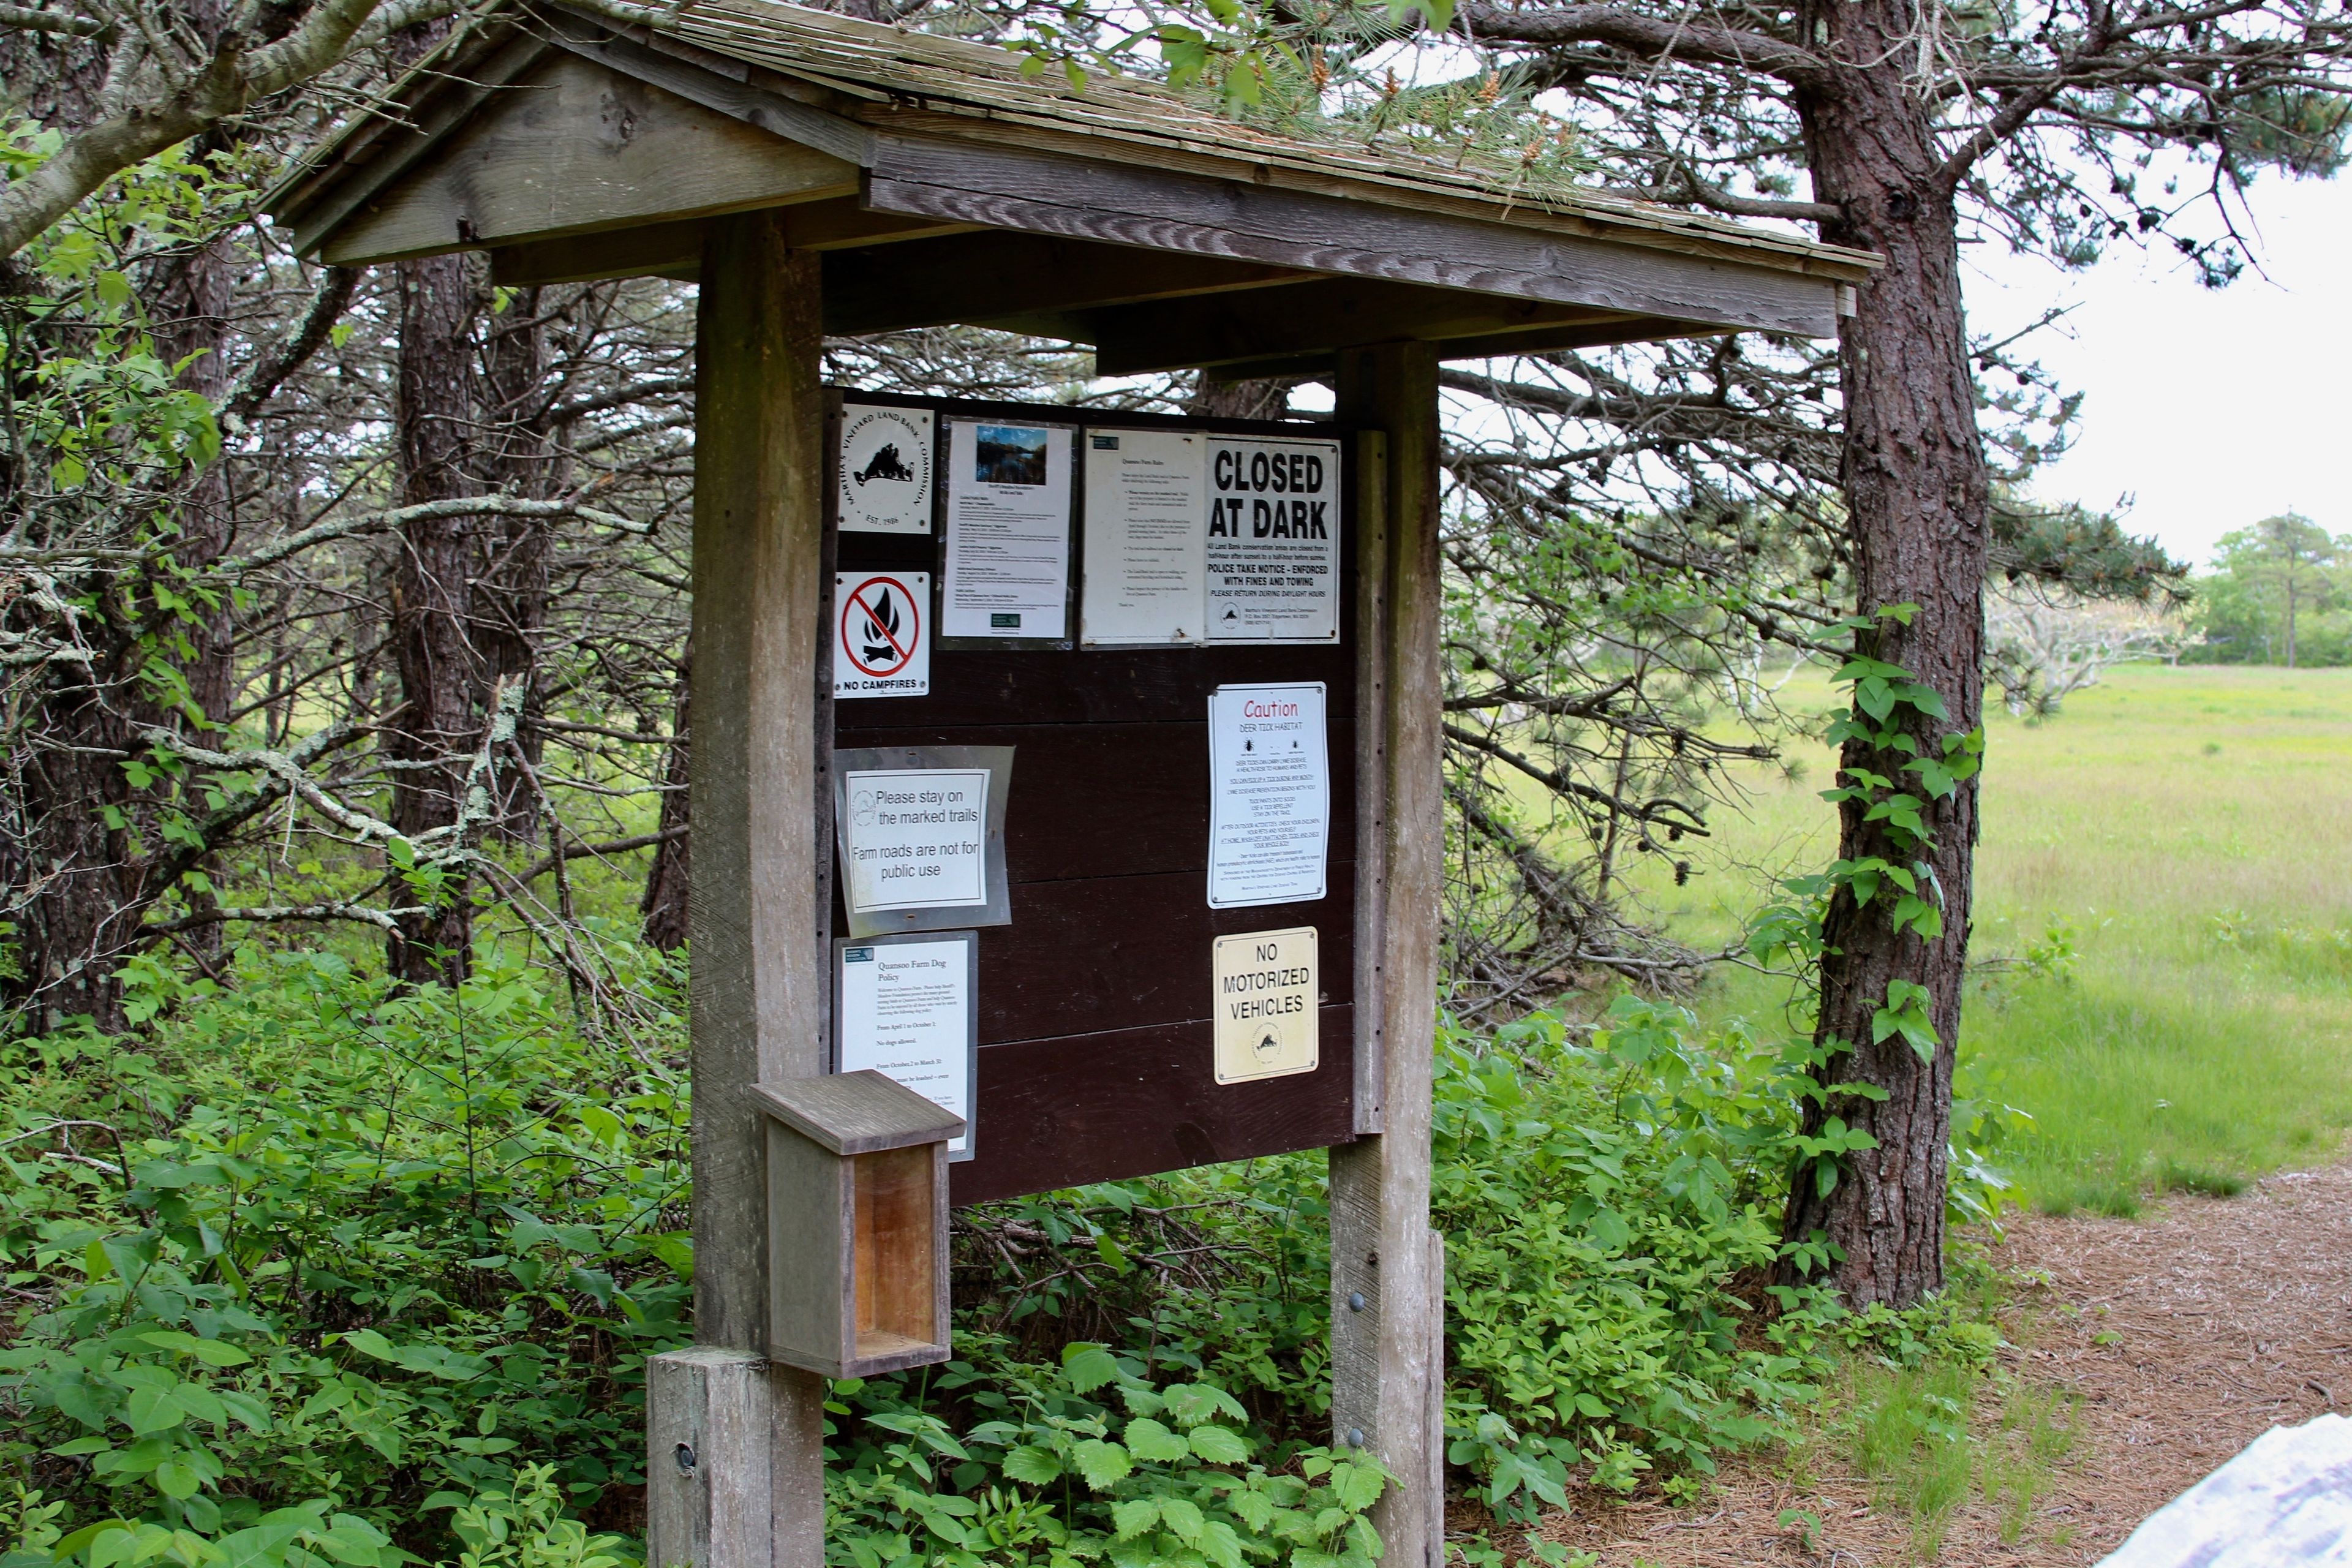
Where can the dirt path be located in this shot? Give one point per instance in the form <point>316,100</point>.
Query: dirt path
<point>2185,1334</point>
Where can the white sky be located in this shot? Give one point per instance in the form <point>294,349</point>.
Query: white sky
<point>2210,408</point>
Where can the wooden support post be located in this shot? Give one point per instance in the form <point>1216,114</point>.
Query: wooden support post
<point>1388,1296</point>
<point>758,911</point>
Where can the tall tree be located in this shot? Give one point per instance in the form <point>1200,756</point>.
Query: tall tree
<point>1915,122</point>
<point>2284,568</point>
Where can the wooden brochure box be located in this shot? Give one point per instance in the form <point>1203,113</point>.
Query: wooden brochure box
<point>857,1225</point>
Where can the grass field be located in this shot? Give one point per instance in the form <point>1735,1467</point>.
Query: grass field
<point>2177,845</point>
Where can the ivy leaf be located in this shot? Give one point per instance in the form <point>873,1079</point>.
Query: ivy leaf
<point>1218,1446</point>
<point>1193,1403</point>
<point>1874,696</point>
<point>248,1411</point>
<point>1032,1463</point>
<point>1102,1464</point>
<point>1220,1545</point>
<point>1358,1486</point>
<point>1147,1439</point>
<point>1089,1366</point>
<point>1182,1517</point>
<point>177,1480</point>
<point>353,1540</point>
<point>153,1410</point>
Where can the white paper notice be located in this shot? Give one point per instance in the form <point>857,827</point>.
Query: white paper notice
<point>1146,513</point>
<point>916,838</point>
<point>906,1013</point>
<point>1274,541</point>
<point>886,469</point>
<point>1269,795</point>
<point>1008,548</point>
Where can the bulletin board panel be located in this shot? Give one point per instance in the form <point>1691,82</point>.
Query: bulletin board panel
<point>1095,1028</point>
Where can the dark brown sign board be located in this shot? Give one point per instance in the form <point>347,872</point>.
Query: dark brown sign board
<point>1094,1059</point>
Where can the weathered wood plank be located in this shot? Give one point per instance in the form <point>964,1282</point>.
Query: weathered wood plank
<point>1382,1359</point>
<point>1587,212</point>
<point>732,1446</point>
<point>647,250</point>
<point>1369,788</point>
<point>759,974</point>
<point>1585,335</point>
<point>1119,952</point>
<point>1157,210</point>
<point>1597,332</point>
<point>675,249</point>
<point>724,86</point>
<point>1311,317</point>
<point>811,1316</point>
<point>1111,799</point>
<point>757,912</point>
<point>856,1113</point>
<point>381,151</point>
<point>1089,686</point>
<point>571,148</point>
<point>981,277</point>
<point>1099,1107</point>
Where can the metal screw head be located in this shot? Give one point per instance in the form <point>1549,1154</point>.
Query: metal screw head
<point>1355,1436</point>
<point>1355,1300</point>
<point>685,1457</point>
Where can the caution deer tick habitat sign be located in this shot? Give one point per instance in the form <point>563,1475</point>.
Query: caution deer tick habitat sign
<point>882,637</point>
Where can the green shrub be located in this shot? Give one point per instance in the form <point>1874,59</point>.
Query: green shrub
<point>311,1245</point>
<point>321,1273</point>
<point>1076,1461</point>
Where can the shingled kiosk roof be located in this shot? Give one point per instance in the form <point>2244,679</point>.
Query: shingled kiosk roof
<point>952,188</point>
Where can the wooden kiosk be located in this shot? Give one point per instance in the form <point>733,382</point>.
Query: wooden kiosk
<point>823,175</point>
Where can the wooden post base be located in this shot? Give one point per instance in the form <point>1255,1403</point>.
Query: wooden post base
<point>735,1462</point>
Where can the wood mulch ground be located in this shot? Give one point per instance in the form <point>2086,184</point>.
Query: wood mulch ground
<point>2185,1334</point>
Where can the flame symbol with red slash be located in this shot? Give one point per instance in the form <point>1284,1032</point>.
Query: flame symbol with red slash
<point>881,627</point>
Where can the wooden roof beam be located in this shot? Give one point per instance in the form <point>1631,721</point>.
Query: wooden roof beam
<point>675,249</point>
<point>999,187</point>
<point>1312,319</point>
<point>1484,346</point>
<point>1004,280</point>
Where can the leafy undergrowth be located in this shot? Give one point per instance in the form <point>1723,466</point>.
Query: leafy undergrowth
<point>307,1272</point>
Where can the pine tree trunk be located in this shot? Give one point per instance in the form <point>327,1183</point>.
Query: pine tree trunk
<point>670,876</point>
<point>77,889</point>
<point>192,324</point>
<point>1264,398</point>
<point>435,730</point>
<point>72,878</point>
<point>510,590</point>
<point>1917,495</point>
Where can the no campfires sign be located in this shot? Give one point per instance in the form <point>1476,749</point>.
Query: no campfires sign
<point>882,644</point>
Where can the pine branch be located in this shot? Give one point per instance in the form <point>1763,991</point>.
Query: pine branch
<point>1646,37</point>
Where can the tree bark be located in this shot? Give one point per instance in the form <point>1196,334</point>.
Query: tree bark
<point>1918,499</point>
<point>192,316</point>
<point>671,872</point>
<point>509,597</point>
<point>435,727</point>
<point>1264,398</point>
<point>75,877</point>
